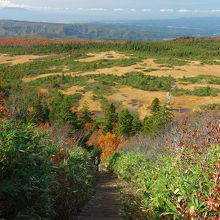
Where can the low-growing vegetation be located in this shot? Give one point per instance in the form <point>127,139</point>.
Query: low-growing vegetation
<point>168,165</point>
<point>41,179</point>
<point>202,79</point>
<point>172,176</point>
<point>215,107</point>
<point>198,91</point>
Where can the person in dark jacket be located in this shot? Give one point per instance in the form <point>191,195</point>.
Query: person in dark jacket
<point>96,163</point>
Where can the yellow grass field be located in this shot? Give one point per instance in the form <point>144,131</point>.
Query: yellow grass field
<point>138,100</point>
<point>110,55</point>
<point>189,70</point>
<point>19,59</point>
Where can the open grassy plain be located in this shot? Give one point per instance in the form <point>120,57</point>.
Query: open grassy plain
<point>129,74</point>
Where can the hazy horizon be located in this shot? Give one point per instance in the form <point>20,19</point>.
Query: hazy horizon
<point>97,10</point>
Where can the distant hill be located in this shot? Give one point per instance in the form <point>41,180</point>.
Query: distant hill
<point>10,28</point>
<point>139,30</point>
<point>170,28</point>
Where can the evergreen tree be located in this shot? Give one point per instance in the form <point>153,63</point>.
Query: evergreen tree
<point>153,124</point>
<point>162,117</point>
<point>155,105</point>
<point>61,111</point>
<point>111,116</point>
<point>65,113</point>
<point>55,108</point>
<point>41,112</point>
<point>125,123</point>
<point>136,125</point>
<point>147,125</point>
<point>85,116</point>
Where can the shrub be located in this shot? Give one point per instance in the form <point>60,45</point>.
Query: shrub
<point>197,91</point>
<point>109,144</point>
<point>182,180</point>
<point>162,196</point>
<point>215,107</point>
<point>39,179</point>
<point>125,122</point>
<point>27,175</point>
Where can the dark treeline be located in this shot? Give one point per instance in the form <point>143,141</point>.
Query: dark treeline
<point>193,49</point>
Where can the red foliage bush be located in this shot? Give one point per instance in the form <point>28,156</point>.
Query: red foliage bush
<point>30,42</point>
<point>4,112</point>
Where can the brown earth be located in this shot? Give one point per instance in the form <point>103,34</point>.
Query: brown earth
<point>139,100</point>
<point>43,91</point>
<point>145,98</point>
<point>106,203</point>
<point>189,70</point>
<point>72,90</point>
<point>110,55</point>
<point>29,79</point>
<point>94,105</point>
<point>192,86</point>
<point>18,59</point>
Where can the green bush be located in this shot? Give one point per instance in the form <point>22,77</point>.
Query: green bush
<point>215,107</point>
<point>163,185</point>
<point>32,185</point>
<point>27,175</point>
<point>76,183</point>
<point>145,82</point>
<point>206,91</point>
<point>210,79</point>
<point>197,91</point>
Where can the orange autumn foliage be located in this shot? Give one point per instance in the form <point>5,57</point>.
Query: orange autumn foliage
<point>45,126</point>
<point>31,41</point>
<point>109,144</point>
<point>45,41</point>
<point>93,140</point>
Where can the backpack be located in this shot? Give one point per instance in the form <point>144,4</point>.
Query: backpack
<point>96,161</point>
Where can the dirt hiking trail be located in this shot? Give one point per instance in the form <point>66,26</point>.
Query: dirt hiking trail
<point>106,202</point>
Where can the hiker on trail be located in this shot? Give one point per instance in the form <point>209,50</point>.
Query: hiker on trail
<point>96,163</point>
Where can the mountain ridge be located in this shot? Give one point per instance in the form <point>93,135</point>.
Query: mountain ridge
<point>137,30</point>
<point>10,28</point>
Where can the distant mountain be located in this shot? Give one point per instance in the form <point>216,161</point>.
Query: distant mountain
<point>66,31</point>
<point>140,30</point>
<point>169,28</point>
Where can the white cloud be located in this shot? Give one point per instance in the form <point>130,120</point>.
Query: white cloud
<point>5,3</point>
<point>166,10</point>
<point>147,10</point>
<point>96,9</point>
<point>201,11</point>
<point>86,9</point>
<point>184,10</point>
<point>216,11</point>
<point>198,11</point>
<point>118,9</point>
<point>8,3</point>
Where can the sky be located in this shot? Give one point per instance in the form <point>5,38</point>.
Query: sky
<point>121,9</point>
